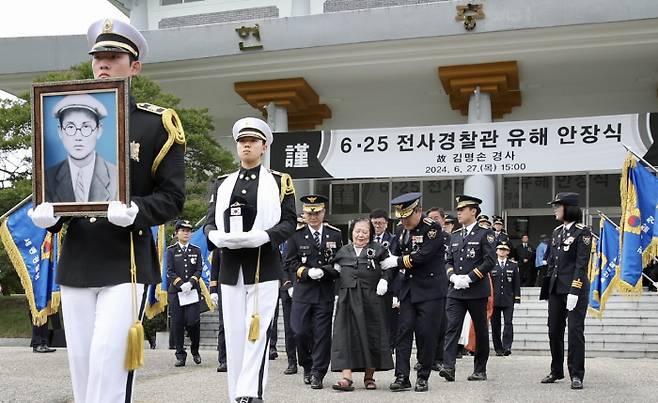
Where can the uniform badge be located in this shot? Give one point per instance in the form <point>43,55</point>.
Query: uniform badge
<point>491,238</point>
<point>385,244</point>
<point>303,259</point>
<point>569,240</point>
<point>471,253</point>
<point>587,239</point>
<point>193,259</point>
<point>331,245</point>
<point>134,151</point>
<point>431,234</point>
<point>417,239</point>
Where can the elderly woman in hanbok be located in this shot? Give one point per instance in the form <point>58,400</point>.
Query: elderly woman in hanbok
<point>360,339</point>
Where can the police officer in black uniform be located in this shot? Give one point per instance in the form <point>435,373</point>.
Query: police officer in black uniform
<point>184,265</point>
<point>499,230</point>
<point>470,258</point>
<point>507,292</point>
<point>418,249</point>
<point>217,301</point>
<point>566,287</point>
<point>310,250</point>
<point>95,261</point>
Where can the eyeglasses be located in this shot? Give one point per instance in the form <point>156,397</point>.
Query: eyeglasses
<point>86,130</point>
<point>377,223</point>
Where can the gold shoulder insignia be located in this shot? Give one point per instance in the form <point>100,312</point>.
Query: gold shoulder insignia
<point>287,186</point>
<point>277,173</point>
<point>428,221</point>
<point>174,127</point>
<point>331,226</point>
<point>580,226</point>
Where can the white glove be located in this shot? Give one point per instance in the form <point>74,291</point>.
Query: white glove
<point>389,263</point>
<point>121,215</point>
<point>382,287</point>
<point>185,287</point>
<point>43,215</point>
<point>396,303</point>
<point>252,239</point>
<point>290,291</point>
<point>572,300</point>
<point>214,297</point>
<point>337,267</point>
<point>453,278</point>
<point>223,239</point>
<point>315,273</point>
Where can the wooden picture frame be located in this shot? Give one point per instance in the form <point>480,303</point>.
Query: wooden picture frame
<point>80,142</point>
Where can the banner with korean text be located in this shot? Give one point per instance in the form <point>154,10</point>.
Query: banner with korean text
<point>523,147</point>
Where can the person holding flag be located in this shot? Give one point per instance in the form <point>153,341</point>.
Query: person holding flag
<point>566,287</point>
<point>106,262</point>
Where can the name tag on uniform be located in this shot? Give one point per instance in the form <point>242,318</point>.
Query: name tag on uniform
<point>331,245</point>
<point>474,243</point>
<point>417,239</point>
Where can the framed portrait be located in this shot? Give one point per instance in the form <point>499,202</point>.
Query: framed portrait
<point>80,145</point>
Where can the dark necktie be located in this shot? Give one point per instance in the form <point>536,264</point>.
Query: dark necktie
<point>316,237</point>
<point>379,239</point>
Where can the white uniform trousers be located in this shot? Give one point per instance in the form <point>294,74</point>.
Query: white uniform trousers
<point>96,323</point>
<point>247,361</point>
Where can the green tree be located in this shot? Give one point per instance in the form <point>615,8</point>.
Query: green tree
<point>205,158</point>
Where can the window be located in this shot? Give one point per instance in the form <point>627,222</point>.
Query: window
<point>437,194</point>
<point>536,191</point>
<point>374,195</point>
<point>573,183</point>
<point>511,192</point>
<point>345,198</point>
<point>405,187</point>
<point>604,190</point>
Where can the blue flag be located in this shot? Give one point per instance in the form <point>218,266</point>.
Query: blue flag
<point>198,238</point>
<point>639,196</point>
<point>156,299</point>
<point>33,251</point>
<point>603,267</point>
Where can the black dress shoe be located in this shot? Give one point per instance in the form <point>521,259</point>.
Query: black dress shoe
<point>421,385</point>
<point>477,376</point>
<point>307,377</point>
<point>399,384</point>
<point>550,378</point>
<point>179,363</point>
<point>460,351</point>
<point>292,369</point>
<point>417,366</point>
<point>576,383</point>
<point>437,365</point>
<point>316,382</point>
<point>507,352</point>
<point>197,358</point>
<point>500,353</point>
<point>448,374</point>
<point>43,349</point>
<point>273,355</point>
<point>221,367</point>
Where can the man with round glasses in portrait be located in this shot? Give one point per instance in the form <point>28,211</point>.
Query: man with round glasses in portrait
<point>83,176</point>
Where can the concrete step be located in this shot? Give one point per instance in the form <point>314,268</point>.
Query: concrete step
<point>605,338</point>
<point>591,328</point>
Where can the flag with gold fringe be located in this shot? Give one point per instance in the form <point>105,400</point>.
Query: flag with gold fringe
<point>198,238</point>
<point>156,299</point>
<point>638,245</point>
<point>603,267</point>
<point>33,252</point>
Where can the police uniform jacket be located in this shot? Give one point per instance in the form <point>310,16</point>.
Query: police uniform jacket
<point>501,237</point>
<point>568,257</point>
<point>95,252</point>
<point>473,256</point>
<point>214,272</point>
<point>183,266</point>
<point>304,254</point>
<point>231,260</point>
<point>422,256</point>
<point>506,283</point>
<point>361,271</point>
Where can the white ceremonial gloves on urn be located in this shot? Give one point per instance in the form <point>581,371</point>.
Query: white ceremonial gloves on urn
<point>460,282</point>
<point>185,287</point>
<point>254,238</point>
<point>572,300</point>
<point>389,263</point>
<point>223,240</point>
<point>43,215</point>
<point>121,215</point>
<point>214,297</point>
<point>382,287</point>
<point>315,273</point>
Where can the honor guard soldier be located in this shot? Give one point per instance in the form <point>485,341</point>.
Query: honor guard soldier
<point>507,292</point>
<point>251,212</point>
<point>566,286</point>
<point>184,265</point>
<point>94,269</point>
<point>499,230</point>
<point>309,254</point>
<point>418,249</point>
<point>471,257</point>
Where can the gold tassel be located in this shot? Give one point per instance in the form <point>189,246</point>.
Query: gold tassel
<point>254,327</point>
<point>135,351</point>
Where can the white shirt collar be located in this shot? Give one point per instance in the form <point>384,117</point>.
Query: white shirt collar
<point>180,245</point>
<point>568,226</point>
<point>314,230</point>
<point>87,174</point>
<point>470,228</point>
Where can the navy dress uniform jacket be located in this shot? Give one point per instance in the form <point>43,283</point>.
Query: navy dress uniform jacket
<point>506,283</point>
<point>183,267</point>
<point>230,260</point>
<point>568,257</point>
<point>95,252</point>
<point>474,257</point>
<point>303,254</point>
<point>421,254</point>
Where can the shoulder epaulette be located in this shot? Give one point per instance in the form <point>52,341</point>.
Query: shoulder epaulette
<point>580,226</point>
<point>172,124</point>
<point>456,231</point>
<point>300,227</point>
<point>172,245</point>
<point>558,227</point>
<point>223,176</point>
<point>287,186</point>
<point>277,173</point>
<point>191,244</point>
<point>428,221</point>
<point>331,226</point>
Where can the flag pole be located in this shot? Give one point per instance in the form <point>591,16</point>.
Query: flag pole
<point>640,158</point>
<point>607,218</point>
<point>16,207</point>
